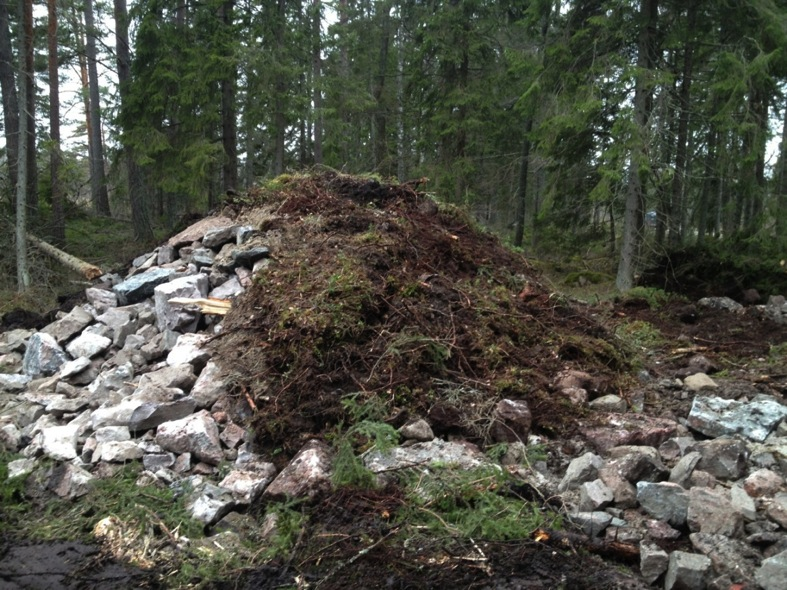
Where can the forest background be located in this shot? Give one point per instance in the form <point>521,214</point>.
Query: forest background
<point>618,128</point>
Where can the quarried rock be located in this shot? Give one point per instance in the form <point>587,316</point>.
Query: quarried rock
<point>120,451</point>
<point>711,512</point>
<point>209,386</point>
<point>763,482</point>
<point>13,382</point>
<point>653,561</point>
<point>60,442</point>
<point>69,481</point>
<point>197,230</point>
<point>729,557</point>
<point>591,523</point>
<point>246,486</point>
<point>69,326</point>
<point>88,345</point>
<point>772,574</point>
<point>188,350</point>
<point>684,468</point>
<point>182,318</point>
<point>122,322</point>
<point>150,415</point>
<point>196,434</point>
<point>594,495</point>
<point>209,503</point>
<point>581,469</point>
<point>101,299</point>
<point>609,403</point>
<point>141,286</point>
<point>687,571</point>
<point>714,416</point>
<point>308,474</point>
<point>665,501</point>
<point>698,381</point>
<point>43,356</point>
<point>180,376</point>
<point>217,237</point>
<point>627,429</point>
<point>723,458</point>
<point>511,421</point>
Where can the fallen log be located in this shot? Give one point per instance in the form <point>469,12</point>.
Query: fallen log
<point>209,306</point>
<point>620,550</point>
<point>87,270</point>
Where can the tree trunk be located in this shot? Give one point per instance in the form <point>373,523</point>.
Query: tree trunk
<point>30,111</point>
<point>10,102</point>
<point>55,157</point>
<point>98,184</point>
<point>229,131</point>
<point>676,229</point>
<point>87,270</point>
<point>279,116</point>
<point>22,273</point>
<point>633,220</point>
<point>317,79</point>
<point>781,186</point>
<point>134,176</point>
<point>521,189</point>
<point>380,119</point>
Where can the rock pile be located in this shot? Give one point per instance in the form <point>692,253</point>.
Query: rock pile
<point>129,376</point>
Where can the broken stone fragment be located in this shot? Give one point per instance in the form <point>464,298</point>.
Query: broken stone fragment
<point>69,481</point>
<point>150,415</point>
<point>13,382</point>
<point>69,326</point>
<point>209,386</point>
<point>196,434</point>
<point>613,430</point>
<point>189,350</point>
<point>580,470</point>
<point>43,356</point>
<point>653,561</point>
<point>609,403</point>
<point>772,574</point>
<point>713,416</point>
<point>308,474</point>
<point>247,486</point>
<point>119,451</point>
<point>710,511</point>
<point>217,237</point>
<point>591,523</point>
<point>699,381</point>
<point>88,345</point>
<point>723,458</point>
<point>687,571</point>
<point>179,317</point>
<point>209,503</point>
<point>141,286</point>
<point>665,501</point>
<point>418,430</point>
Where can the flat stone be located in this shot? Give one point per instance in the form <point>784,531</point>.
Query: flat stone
<point>150,415</point>
<point>74,367</point>
<point>217,237</point>
<point>88,345</point>
<point>437,451</point>
<point>209,503</point>
<point>714,417</point>
<point>101,299</point>
<point>418,430</point>
<point>120,451</point>
<point>665,501</point>
<point>684,468</point>
<point>591,523</point>
<point>594,495</point>
<point>227,290</point>
<point>13,382</point>
<point>248,486</point>
<point>197,231</point>
<point>141,286</point>
<point>70,325</point>
<point>609,403</point>
<point>698,381</point>
<point>627,429</point>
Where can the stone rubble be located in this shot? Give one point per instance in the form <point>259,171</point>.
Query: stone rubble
<point>128,377</point>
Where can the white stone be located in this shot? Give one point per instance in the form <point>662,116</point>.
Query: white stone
<point>88,345</point>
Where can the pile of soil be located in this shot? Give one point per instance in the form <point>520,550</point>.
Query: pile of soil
<point>380,301</point>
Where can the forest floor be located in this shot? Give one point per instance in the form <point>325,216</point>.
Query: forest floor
<point>381,305</point>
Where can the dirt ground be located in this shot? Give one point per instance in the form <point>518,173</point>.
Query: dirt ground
<point>379,304</point>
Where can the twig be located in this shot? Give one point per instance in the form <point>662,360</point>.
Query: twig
<point>355,557</point>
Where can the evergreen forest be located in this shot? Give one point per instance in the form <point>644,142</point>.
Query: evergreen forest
<point>630,128</point>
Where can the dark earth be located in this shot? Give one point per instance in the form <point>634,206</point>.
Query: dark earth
<point>379,296</point>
